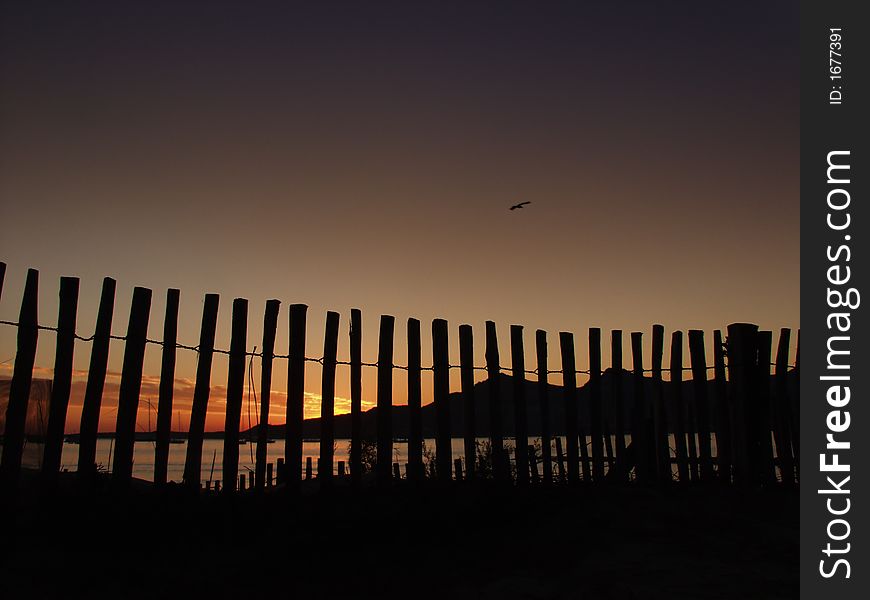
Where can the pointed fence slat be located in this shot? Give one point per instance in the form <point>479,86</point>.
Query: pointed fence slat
<point>62,383</point>
<point>659,412</point>
<point>355,396</point>
<point>19,388</point>
<point>90,418</point>
<point>677,414</point>
<point>701,402</point>
<point>724,441</point>
<point>466,376</point>
<point>270,326</point>
<point>415,425</point>
<point>640,443</point>
<point>130,387</point>
<point>569,386</point>
<point>767,470</point>
<point>781,412</point>
<point>201,392</point>
<point>327,402</point>
<point>544,402</point>
<point>521,428</point>
<point>167,387</point>
<point>618,400</point>
<point>295,413</point>
<point>235,394</point>
<point>500,464</point>
<point>385,400</point>
<point>441,383</point>
<point>595,403</point>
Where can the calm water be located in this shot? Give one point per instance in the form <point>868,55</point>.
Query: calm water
<point>143,455</point>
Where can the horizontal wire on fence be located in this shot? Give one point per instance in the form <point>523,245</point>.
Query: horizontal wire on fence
<point>180,346</point>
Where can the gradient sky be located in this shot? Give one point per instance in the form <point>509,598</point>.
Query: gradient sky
<point>365,155</point>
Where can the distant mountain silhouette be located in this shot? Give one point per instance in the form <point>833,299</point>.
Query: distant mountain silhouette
<point>311,427</point>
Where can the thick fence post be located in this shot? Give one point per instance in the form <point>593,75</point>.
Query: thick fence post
<point>702,410</point>
<point>677,405</point>
<point>60,387</point>
<point>660,416</point>
<point>742,365</point>
<point>167,387</point>
<point>795,404</point>
<point>560,459</point>
<point>385,399</point>
<point>466,375</point>
<point>441,389</point>
<point>595,412</point>
<point>500,467</point>
<point>235,392</point>
<point>201,392</point>
<point>415,416</point>
<point>96,381</point>
<point>618,400</point>
<point>544,401</point>
<point>724,442</point>
<point>131,385</point>
<point>782,418</point>
<point>270,326</point>
<point>19,388</point>
<point>761,412</point>
<point>521,428</point>
<point>327,403</point>
<point>355,396</point>
<point>569,385</point>
<point>295,414</point>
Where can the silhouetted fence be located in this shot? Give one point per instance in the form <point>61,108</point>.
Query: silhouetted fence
<point>741,426</point>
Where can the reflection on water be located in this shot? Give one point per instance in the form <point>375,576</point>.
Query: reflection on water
<point>212,453</point>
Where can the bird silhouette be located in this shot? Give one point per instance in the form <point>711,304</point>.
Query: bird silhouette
<point>520,205</point>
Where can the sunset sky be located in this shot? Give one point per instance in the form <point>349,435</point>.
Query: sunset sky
<point>364,155</point>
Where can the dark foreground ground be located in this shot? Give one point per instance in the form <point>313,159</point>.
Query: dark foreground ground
<point>465,542</point>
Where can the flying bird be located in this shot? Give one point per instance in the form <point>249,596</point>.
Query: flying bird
<point>520,205</point>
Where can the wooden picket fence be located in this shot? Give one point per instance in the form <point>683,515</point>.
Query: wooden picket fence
<point>755,425</point>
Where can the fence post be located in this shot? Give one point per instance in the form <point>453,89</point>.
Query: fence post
<point>270,326</point>
<point>499,457</point>
<point>166,390</point>
<point>677,405</point>
<point>19,388</point>
<point>281,471</point>
<point>356,396</point>
<point>327,403</point>
<point>742,364</point>
<point>782,420</point>
<point>201,390</point>
<point>457,468</point>
<point>724,443</point>
<point>309,467</point>
<point>441,389</point>
<point>699,377</point>
<point>415,424</point>
<point>640,443</point>
<point>235,392</point>
<point>2,276</point>
<point>569,385</point>
<point>560,459</point>
<point>660,415</point>
<point>269,474</point>
<point>521,429</point>
<point>618,402</point>
<point>131,384</point>
<point>96,381</point>
<point>295,413</point>
<point>766,468</point>
<point>385,399</point>
<point>544,400</point>
<point>60,387</point>
<point>595,412</point>
<point>466,373</point>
